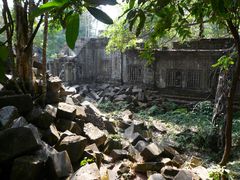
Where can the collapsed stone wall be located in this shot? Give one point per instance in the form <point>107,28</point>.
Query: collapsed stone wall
<point>185,69</point>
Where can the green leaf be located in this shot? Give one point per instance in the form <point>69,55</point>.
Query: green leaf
<point>224,62</point>
<point>141,2</point>
<point>180,9</point>
<point>131,23</point>
<point>131,15</point>
<point>37,12</point>
<point>163,3</point>
<point>218,7</point>
<point>47,7</point>
<point>102,2</point>
<point>3,53</point>
<point>131,4</point>
<point>125,12</point>
<point>141,23</point>
<point>100,15</point>
<point>72,29</point>
<point>53,4</point>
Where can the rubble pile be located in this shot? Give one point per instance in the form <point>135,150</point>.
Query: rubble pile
<point>70,138</point>
<point>99,93</point>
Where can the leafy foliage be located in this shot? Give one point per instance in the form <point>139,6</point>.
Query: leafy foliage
<point>224,63</point>
<point>203,107</point>
<point>217,172</point>
<point>67,13</point>
<point>120,38</point>
<point>181,15</point>
<point>109,106</point>
<point>158,23</point>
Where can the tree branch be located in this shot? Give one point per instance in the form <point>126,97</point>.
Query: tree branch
<point>34,34</point>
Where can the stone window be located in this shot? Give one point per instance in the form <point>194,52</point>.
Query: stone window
<point>174,78</point>
<point>194,79</point>
<point>135,73</point>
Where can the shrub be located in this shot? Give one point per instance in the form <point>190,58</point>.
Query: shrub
<point>169,106</point>
<point>154,111</point>
<point>109,106</point>
<point>204,107</point>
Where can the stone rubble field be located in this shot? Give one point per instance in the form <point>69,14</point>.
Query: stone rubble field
<point>70,138</point>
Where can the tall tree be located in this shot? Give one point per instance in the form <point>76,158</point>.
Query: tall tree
<point>24,41</point>
<point>44,54</point>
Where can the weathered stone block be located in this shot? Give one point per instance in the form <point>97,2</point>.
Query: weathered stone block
<point>80,112</point>
<point>59,165</point>
<point>28,168</point>
<point>74,145</point>
<point>45,151</point>
<point>92,147</point>
<point>94,115</point>
<point>51,136</point>
<point>110,126</point>
<point>151,152</point>
<point>7,116</point>
<point>135,138</point>
<point>66,111</point>
<point>87,172</point>
<point>54,83</point>
<point>148,166</point>
<point>138,127</point>
<point>118,154</point>
<point>16,142</point>
<point>169,152</point>
<point>22,102</point>
<point>121,97</point>
<point>141,145</point>
<point>40,118</point>
<point>127,115</point>
<point>69,100</point>
<point>178,161</point>
<point>169,172</point>
<point>156,176</point>
<point>94,134</point>
<point>111,144</point>
<point>52,110</point>
<point>186,175</point>
<point>63,125</point>
<point>19,122</point>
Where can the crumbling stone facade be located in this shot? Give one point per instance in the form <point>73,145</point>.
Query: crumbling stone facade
<point>185,69</point>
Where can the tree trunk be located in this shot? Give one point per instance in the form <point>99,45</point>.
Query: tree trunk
<point>222,92</point>
<point>201,27</point>
<point>44,55</point>
<point>23,54</point>
<point>220,106</point>
<point>8,21</point>
<point>230,98</point>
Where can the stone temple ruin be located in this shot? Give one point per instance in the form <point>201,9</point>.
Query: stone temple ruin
<point>184,70</point>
